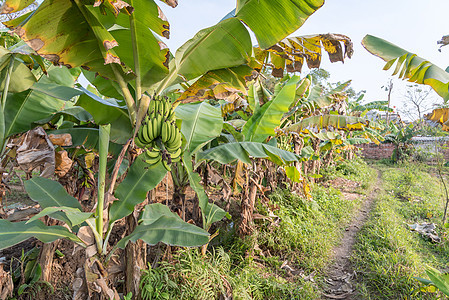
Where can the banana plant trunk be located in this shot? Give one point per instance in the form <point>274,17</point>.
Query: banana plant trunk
<point>298,144</point>
<point>135,259</point>
<point>247,210</point>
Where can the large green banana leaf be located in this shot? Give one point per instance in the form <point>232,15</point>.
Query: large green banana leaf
<point>135,38</point>
<point>262,123</point>
<point>409,65</point>
<point>271,21</point>
<point>169,230</point>
<point>14,233</point>
<point>108,111</point>
<point>75,215</point>
<point>201,123</point>
<point>49,193</point>
<point>154,211</point>
<point>140,179</point>
<point>229,152</point>
<point>211,213</point>
<point>22,109</point>
<point>330,122</point>
<point>226,44</point>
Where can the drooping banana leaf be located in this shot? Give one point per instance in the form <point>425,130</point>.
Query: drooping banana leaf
<point>136,39</point>
<point>108,111</point>
<point>201,122</point>
<point>219,84</point>
<point>168,230</point>
<point>140,179</point>
<point>271,21</point>
<point>229,152</point>
<point>290,54</point>
<point>22,109</point>
<point>49,193</point>
<point>14,233</point>
<point>409,65</point>
<point>21,77</point>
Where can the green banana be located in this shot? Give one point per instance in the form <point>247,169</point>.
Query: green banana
<point>138,142</point>
<point>153,153</point>
<point>154,127</point>
<point>154,160</point>
<point>159,121</point>
<point>151,106</point>
<point>176,154</point>
<point>164,133</point>
<point>146,131</point>
<point>166,165</point>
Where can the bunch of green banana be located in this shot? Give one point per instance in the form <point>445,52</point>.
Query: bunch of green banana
<point>159,135</point>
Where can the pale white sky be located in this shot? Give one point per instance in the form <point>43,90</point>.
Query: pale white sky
<point>411,24</point>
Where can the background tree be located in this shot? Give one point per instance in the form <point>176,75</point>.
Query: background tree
<point>418,100</point>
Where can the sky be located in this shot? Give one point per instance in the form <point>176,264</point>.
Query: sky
<point>411,24</point>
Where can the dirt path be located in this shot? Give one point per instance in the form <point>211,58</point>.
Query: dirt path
<point>340,273</point>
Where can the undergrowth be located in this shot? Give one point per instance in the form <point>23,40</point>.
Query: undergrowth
<point>295,231</point>
<point>388,254</point>
<point>355,169</point>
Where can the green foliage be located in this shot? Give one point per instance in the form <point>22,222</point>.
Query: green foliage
<point>307,232</point>
<point>155,284</point>
<point>216,275</point>
<point>26,275</point>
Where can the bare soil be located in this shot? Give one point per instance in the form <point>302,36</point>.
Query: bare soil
<point>340,274</point>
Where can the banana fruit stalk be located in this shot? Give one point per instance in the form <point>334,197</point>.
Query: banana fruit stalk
<point>158,134</point>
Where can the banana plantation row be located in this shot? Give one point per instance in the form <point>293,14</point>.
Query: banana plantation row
<point>147,111</point>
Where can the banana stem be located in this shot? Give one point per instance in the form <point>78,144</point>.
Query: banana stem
<point>126,94</point>
<point>4,98</point>
<point>167,80</point>
<point>132,23</point>
<point>103,153</point>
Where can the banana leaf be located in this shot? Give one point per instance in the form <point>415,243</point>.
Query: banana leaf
<point>262,124</point>
<point>14,233</point>
<point>409,65</point>
<point>201,123</point>
<point>133,190</point>
<point>229,152</point>
<point>167,229</point>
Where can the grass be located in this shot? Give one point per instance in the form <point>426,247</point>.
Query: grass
<point>303,238</point>
<point>388,255</point>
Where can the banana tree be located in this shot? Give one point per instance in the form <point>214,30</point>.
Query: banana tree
<point>118,40</point>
